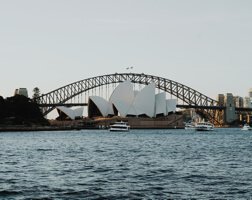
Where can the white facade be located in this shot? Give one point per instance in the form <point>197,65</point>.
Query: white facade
<point>72,113</point>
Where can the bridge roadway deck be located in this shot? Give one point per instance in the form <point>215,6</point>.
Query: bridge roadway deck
<point>178,106</point>
<point>86,104</point>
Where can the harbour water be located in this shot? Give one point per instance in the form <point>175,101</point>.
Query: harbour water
<point>140,164</point>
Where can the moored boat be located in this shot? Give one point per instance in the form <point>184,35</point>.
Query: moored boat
<point>189,126</point>
<point>119,126</point>
<point>246,127</point>
<point>204,126</point>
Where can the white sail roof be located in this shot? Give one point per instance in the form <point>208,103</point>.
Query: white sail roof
<point>171,105</point>
<point>72,113</point>
<point>160,104</point>
<point>130,102</point>
<point>144,102</point>
<point>132,111</point>
<point>103,105</point>
<point>136,92</point>
<point>122,97</point>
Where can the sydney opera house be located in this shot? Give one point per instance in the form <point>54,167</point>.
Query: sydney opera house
<point>127,102</point>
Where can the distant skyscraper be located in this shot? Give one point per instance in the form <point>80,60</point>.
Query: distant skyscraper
<point>247,102</point>
<point>21,91</point>
<point>250,94</point>
<point>221,99</point>
<point>230,115</point>
<point>238,101</point>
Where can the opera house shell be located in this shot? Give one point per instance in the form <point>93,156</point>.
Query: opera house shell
<point>125,102</point>
<point>70,113</point>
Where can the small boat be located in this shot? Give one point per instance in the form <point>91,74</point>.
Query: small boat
<point>119,126</point>
<point>246,127</point>
<point>204,126</point>
<point>189,126</point>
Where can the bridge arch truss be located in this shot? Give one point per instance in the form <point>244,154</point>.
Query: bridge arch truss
<point>186,94</point>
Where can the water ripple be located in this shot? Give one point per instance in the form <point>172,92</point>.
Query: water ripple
<point>143,164</point>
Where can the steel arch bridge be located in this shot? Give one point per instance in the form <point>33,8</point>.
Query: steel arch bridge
<point>187,95</point>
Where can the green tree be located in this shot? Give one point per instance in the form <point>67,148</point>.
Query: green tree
<point>36,93</point>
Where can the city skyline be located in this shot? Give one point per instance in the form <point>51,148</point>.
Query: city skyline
<point>204,45</point>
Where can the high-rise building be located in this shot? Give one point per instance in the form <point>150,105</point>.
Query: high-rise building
<point>250,93</point>
<point>221,99</point>
<point>238,102</point>
<point>230,115</point>
<point>21,91</point>
<point>247,102</point>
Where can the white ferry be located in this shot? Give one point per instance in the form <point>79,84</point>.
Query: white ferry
<point>246,127</point>
<point>119,126</point>
<point>204,126</point>
<point>189,126</point>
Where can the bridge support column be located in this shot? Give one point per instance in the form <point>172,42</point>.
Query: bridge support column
<point>248,118</point>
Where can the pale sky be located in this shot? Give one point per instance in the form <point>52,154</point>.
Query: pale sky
<point>204,44</point>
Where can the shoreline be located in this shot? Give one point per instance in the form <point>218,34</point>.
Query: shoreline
<point>71,128</point>
<point>63,128</point>
<point>40,128</point>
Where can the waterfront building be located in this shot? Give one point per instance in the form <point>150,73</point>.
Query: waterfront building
<point>238,101</point>
<point>250,97</point>
<point>247,102</point>
<point>21,91</point>
<point>250,93</point>
<point>230,114</point>
<point>221,102</point>
<point>127,102</point>
<point>221,99</point>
